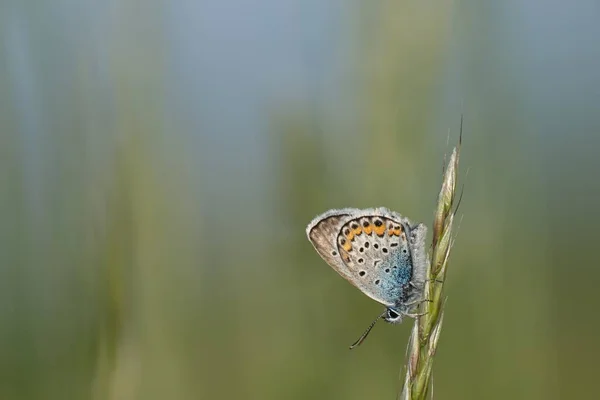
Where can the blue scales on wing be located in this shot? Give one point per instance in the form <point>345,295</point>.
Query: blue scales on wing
<point>377,252</point>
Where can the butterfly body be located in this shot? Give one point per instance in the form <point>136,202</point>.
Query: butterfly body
<point>377,250</point>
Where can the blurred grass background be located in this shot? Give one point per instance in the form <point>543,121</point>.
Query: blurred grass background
<point>160,160</point>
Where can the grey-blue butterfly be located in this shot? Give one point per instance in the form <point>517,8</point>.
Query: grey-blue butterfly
<point>377,250</point>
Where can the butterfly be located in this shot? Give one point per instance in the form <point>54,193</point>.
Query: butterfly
<point>377,250</point>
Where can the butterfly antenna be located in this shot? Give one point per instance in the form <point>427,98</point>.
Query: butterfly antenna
<point>364,335</point>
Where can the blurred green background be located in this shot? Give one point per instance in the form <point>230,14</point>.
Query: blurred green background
<point>159,161</point>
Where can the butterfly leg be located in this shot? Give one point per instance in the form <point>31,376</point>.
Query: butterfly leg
<point>419,285</point>
<point>414,285</point>
<point>414,315</point>
<point>418,302</point>
<point>434,280</point>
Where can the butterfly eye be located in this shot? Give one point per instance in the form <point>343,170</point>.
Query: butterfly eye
<point>392,316</point>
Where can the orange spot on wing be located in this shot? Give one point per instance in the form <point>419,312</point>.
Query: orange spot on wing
<point>379,230</point>
<point>347,246</point>
<point>350,236</point>
<point>368,229</point>
<point>358,231</point>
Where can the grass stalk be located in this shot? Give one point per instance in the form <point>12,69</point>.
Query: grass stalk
<point>425,334</point>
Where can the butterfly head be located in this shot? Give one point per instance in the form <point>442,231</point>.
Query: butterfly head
<point>392,316</point>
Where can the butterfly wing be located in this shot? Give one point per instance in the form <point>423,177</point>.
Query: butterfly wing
<point>322,232</point>
<point>374,249</point>
<point>417,237</point>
